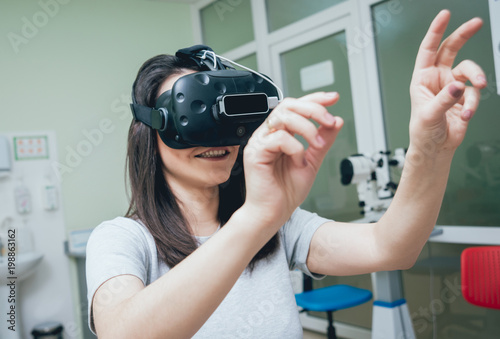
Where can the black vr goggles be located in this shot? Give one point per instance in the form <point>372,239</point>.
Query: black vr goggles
<point>219,106</point>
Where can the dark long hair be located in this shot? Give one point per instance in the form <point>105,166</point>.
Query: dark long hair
<point>152,201</point>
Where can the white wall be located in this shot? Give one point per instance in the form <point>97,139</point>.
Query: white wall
<point>46,294</point>
<point>68,66</point>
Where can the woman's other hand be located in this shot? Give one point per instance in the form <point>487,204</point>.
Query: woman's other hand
<point>441,103</point>
<point>279,170</point>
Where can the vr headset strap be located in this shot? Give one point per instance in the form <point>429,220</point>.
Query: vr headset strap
<point>196,54</point>
<point>152,117</point>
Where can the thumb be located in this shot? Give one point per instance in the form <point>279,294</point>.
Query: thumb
<point>448,96</point>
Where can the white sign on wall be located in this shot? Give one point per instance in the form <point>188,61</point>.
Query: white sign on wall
<point>317,76</point>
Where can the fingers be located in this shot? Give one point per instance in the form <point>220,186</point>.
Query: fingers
<point>471,98</point>
<point>296,124</point>
<point>315,156</point>
<point>296,116</point>
<point>426,55</point>
<point>432,52</point>
<point>283,142</point>
<point>311,106</point>
<point>451,45</point>
<point>470,71</point>
<point>448,96</point>
<point>266,148</point>
<point>293,116</point>
<point>322,98</point>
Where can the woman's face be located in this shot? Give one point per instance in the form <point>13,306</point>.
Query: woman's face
<point>197,167</point>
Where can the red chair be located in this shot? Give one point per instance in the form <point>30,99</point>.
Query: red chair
<point>481,276</point>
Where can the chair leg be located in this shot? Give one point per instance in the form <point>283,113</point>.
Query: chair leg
<point>331,329</point>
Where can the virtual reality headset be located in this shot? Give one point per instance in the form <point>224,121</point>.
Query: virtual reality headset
<point>219,106</point>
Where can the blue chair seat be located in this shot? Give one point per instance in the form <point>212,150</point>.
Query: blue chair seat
<point>332,298</point>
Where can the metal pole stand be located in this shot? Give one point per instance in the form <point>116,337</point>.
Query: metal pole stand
<point>391,317</point>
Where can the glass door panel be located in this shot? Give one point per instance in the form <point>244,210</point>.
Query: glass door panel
<point>226,25</point>
<point>473,193</point>
<point>328,197</point>
<point>281,13</point>
<point>249,61</point>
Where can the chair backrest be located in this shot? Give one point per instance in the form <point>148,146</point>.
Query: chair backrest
<point>481,276</point>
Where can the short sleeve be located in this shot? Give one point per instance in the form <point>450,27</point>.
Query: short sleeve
<point>297,234</point>
<point>115,247</point>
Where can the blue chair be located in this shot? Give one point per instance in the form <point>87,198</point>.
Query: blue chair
<point>330,299</point>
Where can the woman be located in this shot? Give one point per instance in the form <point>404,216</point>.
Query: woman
<point>147,274</point>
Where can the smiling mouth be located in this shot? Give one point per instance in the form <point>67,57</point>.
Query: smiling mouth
<point>212,154</point>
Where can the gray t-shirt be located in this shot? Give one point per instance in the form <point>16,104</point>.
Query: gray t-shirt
<point>261,304</point>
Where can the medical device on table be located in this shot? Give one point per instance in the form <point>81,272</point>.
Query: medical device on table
<point>370,174</point>
<point>218,106</point>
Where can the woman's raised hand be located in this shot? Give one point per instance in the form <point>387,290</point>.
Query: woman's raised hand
<point>279,170</point>
<point>441,103</point>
